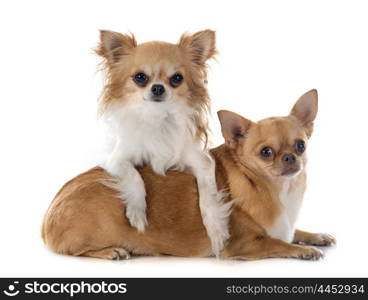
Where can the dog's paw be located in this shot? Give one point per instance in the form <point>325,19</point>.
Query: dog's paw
<point>118,254</point>
<point>323,239</point>
<point>310,253</point>
<point>133,195</point>
<point>113,253</point>
<point>218,240</point>
<point>218,232</point>
<point>319,239</point>
<point>137,217</point>
<point>215,218</point>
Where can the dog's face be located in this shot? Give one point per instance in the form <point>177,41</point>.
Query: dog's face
<point>156,72</point>
<point>274,147</point>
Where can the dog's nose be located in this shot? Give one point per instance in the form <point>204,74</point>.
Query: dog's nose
<point>158,89</point>
<point>289,158</point>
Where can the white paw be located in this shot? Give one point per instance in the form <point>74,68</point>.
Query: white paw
<point>218,237</point>
<point>215,219</point>
<point>133,195</point>
<point>136,216</point>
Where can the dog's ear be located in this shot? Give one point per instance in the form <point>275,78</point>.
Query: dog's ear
<point>305,110</point>
<point>113,45</point>
<point>201,46</point>
<point>233,126</point>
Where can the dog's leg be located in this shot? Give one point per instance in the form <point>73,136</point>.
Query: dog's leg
<point>215,212</point>
<point>317,239</point>
<point>115,253</point>
<point>265,247</point>
<point>130,186</point>
<point>249,241</point>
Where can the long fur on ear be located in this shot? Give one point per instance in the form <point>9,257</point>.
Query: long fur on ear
<point>112,48</point>
<point>113,45</point>
<point>305,110</point>
<point>233,127</point>
<point>201,46</point>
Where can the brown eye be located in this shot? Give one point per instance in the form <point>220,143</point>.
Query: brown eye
<point>140,79</point>
<point>300,146</point>
<point>176,80</point>
<point>266,152</point>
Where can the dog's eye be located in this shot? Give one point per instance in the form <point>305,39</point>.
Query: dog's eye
<point>266,152</point>
<point>176,79</point>
<point>300,146</point>
<point>140,79</point>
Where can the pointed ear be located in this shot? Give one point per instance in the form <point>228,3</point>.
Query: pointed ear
<point>305,110</point>
<point>201,46</point>
<point>233,127</point>
<point>113,45</point>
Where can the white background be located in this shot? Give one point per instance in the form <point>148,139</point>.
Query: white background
<point>270,53</point>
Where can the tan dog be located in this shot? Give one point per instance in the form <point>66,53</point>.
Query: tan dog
<point>262,165</point>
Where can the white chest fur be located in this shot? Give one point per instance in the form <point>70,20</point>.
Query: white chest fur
<point>150,133</point>
<point>290,197</point>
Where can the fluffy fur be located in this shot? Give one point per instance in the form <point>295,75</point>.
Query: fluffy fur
<point>164,131</point>
<point>85,216</point>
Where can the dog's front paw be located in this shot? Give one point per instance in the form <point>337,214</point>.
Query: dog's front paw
<point>133,195</point>
<point>318,239</point>
<point>137,217</point>
<point>215,218</point>
<point>323,239</point>
<point>218,239</point>
<point>310,253</point>
<point>217,230</point>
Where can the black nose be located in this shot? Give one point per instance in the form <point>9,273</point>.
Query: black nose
<point>289,158</point>
<point>158,89</point>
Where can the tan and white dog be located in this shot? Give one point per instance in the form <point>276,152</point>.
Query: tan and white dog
<point>156,101</point>
<point>261,165</point>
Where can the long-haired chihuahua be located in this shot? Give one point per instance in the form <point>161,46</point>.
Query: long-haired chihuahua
<point>156,103</point>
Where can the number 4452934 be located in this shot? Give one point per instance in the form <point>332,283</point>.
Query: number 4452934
<point>340,289</point>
